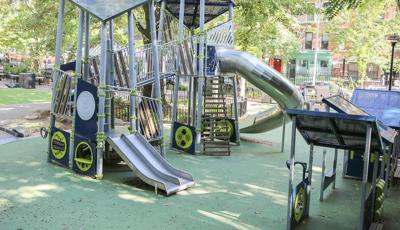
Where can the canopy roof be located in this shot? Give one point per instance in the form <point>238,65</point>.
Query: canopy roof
<point>341,105</point>
<point>108,9</point>
<point>337,130</point>
<point>383,104</point>
<point>214,8</point>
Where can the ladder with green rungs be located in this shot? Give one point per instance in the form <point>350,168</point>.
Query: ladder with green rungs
<point>215,122</point>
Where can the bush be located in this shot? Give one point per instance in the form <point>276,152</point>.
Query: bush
<point>16,69</point>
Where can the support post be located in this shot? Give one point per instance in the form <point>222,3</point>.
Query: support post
<point>291,174</point>
<point>283,133</point>
<point>179,61</point>
<point>334,168</point>
<point>132,73</point>
<point>310,173</point>
<point>57,63</point>
<point>365,176</point>
<point>387,167</point>
<point>102,95</point>
<point>162,21</point>
<point>374,176</point>
<point>112,42</point>
<point>235,101</point>
<point>200,77</point>
<point>87,48</point>
<point>321,194</point>
<point>78,73</point>
<point>156,70</point>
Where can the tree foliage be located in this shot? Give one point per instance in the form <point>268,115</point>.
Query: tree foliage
<point>269,27</point>
<point>361,34</point>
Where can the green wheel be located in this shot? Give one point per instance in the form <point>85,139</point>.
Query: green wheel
<point>84,156</point>
<point>227,126</point>
<point>299,203</point>
<point>58,145</point>
<point>183,137</point>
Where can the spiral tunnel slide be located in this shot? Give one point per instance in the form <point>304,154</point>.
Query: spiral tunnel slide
<point>267,80</point>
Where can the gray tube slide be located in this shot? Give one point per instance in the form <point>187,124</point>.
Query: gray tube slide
<point>267,80</point>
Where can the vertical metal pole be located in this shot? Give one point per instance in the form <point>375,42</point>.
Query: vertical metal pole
<point>374,176</point>
<point>86,63</point>
<point>235,102</point>
<point>291,175</point>
<point>102,95</point>
<point>156,70</point>
<point>78,73</point>
<point>334,168</point>
<point>112,42</point>
<point>283,133</point>
<point>321,194</point>
<point>78,66</point>
<point>200,77</point>
<point>179,61</point>
<point>132,72</point>
<point>162,21</point>
<point>231,14</point>
<point>387,166</point>
<point>365,176</point>
<point>391,66</point>
<point>60,28</point>
<point>310,173</point>
<point>315,71</point>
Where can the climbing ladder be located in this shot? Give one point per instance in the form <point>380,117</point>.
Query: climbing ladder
<point>216,125</point>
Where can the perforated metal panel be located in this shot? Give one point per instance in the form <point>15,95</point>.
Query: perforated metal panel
<point>214,8</point>
<point>337,130</point>
<point>108,9</point>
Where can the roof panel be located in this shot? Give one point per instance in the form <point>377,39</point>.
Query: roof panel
<point>107,9</point>
<point>337,130</point>
<point>383,104</point>
<point>214,8</point>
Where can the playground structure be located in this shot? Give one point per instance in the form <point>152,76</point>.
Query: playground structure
<point>176,52</point>
<point>366,129</point>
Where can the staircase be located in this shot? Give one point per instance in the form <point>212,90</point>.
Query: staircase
<point>215,124</point>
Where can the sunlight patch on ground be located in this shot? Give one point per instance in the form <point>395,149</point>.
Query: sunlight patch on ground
<point>30,193</point>
<point>227,218</point>
<point>135,198</point>
<point>277,197</point>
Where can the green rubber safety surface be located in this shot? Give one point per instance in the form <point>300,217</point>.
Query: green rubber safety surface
<point>247,190</point>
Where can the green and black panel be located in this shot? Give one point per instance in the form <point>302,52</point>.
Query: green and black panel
<point>184,137</point>
<point>59,147</point>
<point>86,110</point>
<point>299,203</point>
<point>84,156</point>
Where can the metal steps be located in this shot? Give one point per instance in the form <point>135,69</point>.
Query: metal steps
<point>215,132</point>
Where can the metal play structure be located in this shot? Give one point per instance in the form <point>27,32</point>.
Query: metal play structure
<point>339,131</point>
<point>181,50</point>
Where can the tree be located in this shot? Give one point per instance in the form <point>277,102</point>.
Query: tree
<point>336,6</point>
<point>360,34</point>
<point>268,27</point>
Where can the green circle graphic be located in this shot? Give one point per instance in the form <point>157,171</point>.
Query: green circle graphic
<point>58,145</point>
<point>84,156</point>
<point>183,137</point>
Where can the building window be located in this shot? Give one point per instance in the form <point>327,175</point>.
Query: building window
<point>304,63</point>
<point>324,42</point>
<point>323,64</point>
<point>308,40</point>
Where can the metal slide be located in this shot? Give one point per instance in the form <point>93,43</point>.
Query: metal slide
<point>148,164</point>
<point>267,80</point>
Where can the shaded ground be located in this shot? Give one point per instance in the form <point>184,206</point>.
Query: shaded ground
<point>247,190</point>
